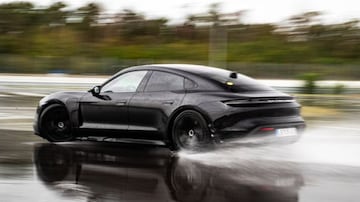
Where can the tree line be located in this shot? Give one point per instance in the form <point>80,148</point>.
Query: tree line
<point>56,31</point>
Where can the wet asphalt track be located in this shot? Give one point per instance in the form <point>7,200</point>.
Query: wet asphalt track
<point>323,166</point>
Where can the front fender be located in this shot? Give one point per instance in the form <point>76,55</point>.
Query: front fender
<point>70,100</point>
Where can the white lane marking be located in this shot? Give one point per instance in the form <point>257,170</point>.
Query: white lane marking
<point>16,117</point>
<point>297,83</point>
<point>17,108</point>
<point>18,182</point>
<point>341,128</point>
<point>50,79</point>
<point>29,94</point>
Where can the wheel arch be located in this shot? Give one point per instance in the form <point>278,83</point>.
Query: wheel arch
<point>46,106</point>
<point>50,103</point>
<point>177,112</point>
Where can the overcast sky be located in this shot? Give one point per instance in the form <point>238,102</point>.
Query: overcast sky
<point>258,11</point>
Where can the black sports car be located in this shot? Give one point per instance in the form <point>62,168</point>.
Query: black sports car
<point>184,106</point>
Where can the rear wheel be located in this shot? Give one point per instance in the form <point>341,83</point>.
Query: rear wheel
<point>190,131</point>
<point>55,124</point>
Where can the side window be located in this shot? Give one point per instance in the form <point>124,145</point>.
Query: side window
<point>127,82</point>
<point>189,84</point>
<point>162,81</point>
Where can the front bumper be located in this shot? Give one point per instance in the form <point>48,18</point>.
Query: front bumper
<point>36,121</point>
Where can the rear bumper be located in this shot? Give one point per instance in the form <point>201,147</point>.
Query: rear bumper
<point>253,129</point>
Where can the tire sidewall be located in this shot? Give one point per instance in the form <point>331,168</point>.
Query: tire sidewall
<point>175,144</point>
<point>44,132</point>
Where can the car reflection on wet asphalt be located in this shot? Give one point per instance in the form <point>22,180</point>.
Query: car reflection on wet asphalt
<point>104,172</point>
<point>93,171</point>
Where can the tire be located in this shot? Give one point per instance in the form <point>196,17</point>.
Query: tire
<point>190,131</point>
<point>55,124</point>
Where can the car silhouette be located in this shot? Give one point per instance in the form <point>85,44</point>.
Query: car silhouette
<point>182,106</point>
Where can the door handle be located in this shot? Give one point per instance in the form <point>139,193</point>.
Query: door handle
<point>168,102</point>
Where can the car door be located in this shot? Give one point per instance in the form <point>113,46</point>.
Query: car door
<point>150,109</point>
<point>108,111</point>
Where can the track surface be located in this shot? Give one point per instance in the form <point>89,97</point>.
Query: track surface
<point>323,166</point>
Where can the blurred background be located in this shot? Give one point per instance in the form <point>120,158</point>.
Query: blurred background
<point>308,49</point>
<point>91,39</point>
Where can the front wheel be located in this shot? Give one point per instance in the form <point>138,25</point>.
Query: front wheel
<point>55,124</point>
<point>190,131</point>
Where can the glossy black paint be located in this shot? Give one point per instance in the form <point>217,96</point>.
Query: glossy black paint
<point>236,110</point>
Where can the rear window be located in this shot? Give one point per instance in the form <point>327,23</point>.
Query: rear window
<point>162,81</point>
<point>241,83</point>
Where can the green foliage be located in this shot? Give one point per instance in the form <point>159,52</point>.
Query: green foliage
<point>27,31</point>
<point>309,86</point>
<point>339,89</point>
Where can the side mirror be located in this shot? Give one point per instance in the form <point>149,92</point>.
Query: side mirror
<point>95,90</point>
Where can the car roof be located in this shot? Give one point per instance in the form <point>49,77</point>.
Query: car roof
<point>208,77</point>
<point>213,74</point>
<point>188,68</point>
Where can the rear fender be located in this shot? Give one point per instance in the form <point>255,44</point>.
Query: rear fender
<point>181,109</point>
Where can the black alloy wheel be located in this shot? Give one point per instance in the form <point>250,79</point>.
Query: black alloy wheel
<point>190,131</point>
<point>55,124</point>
